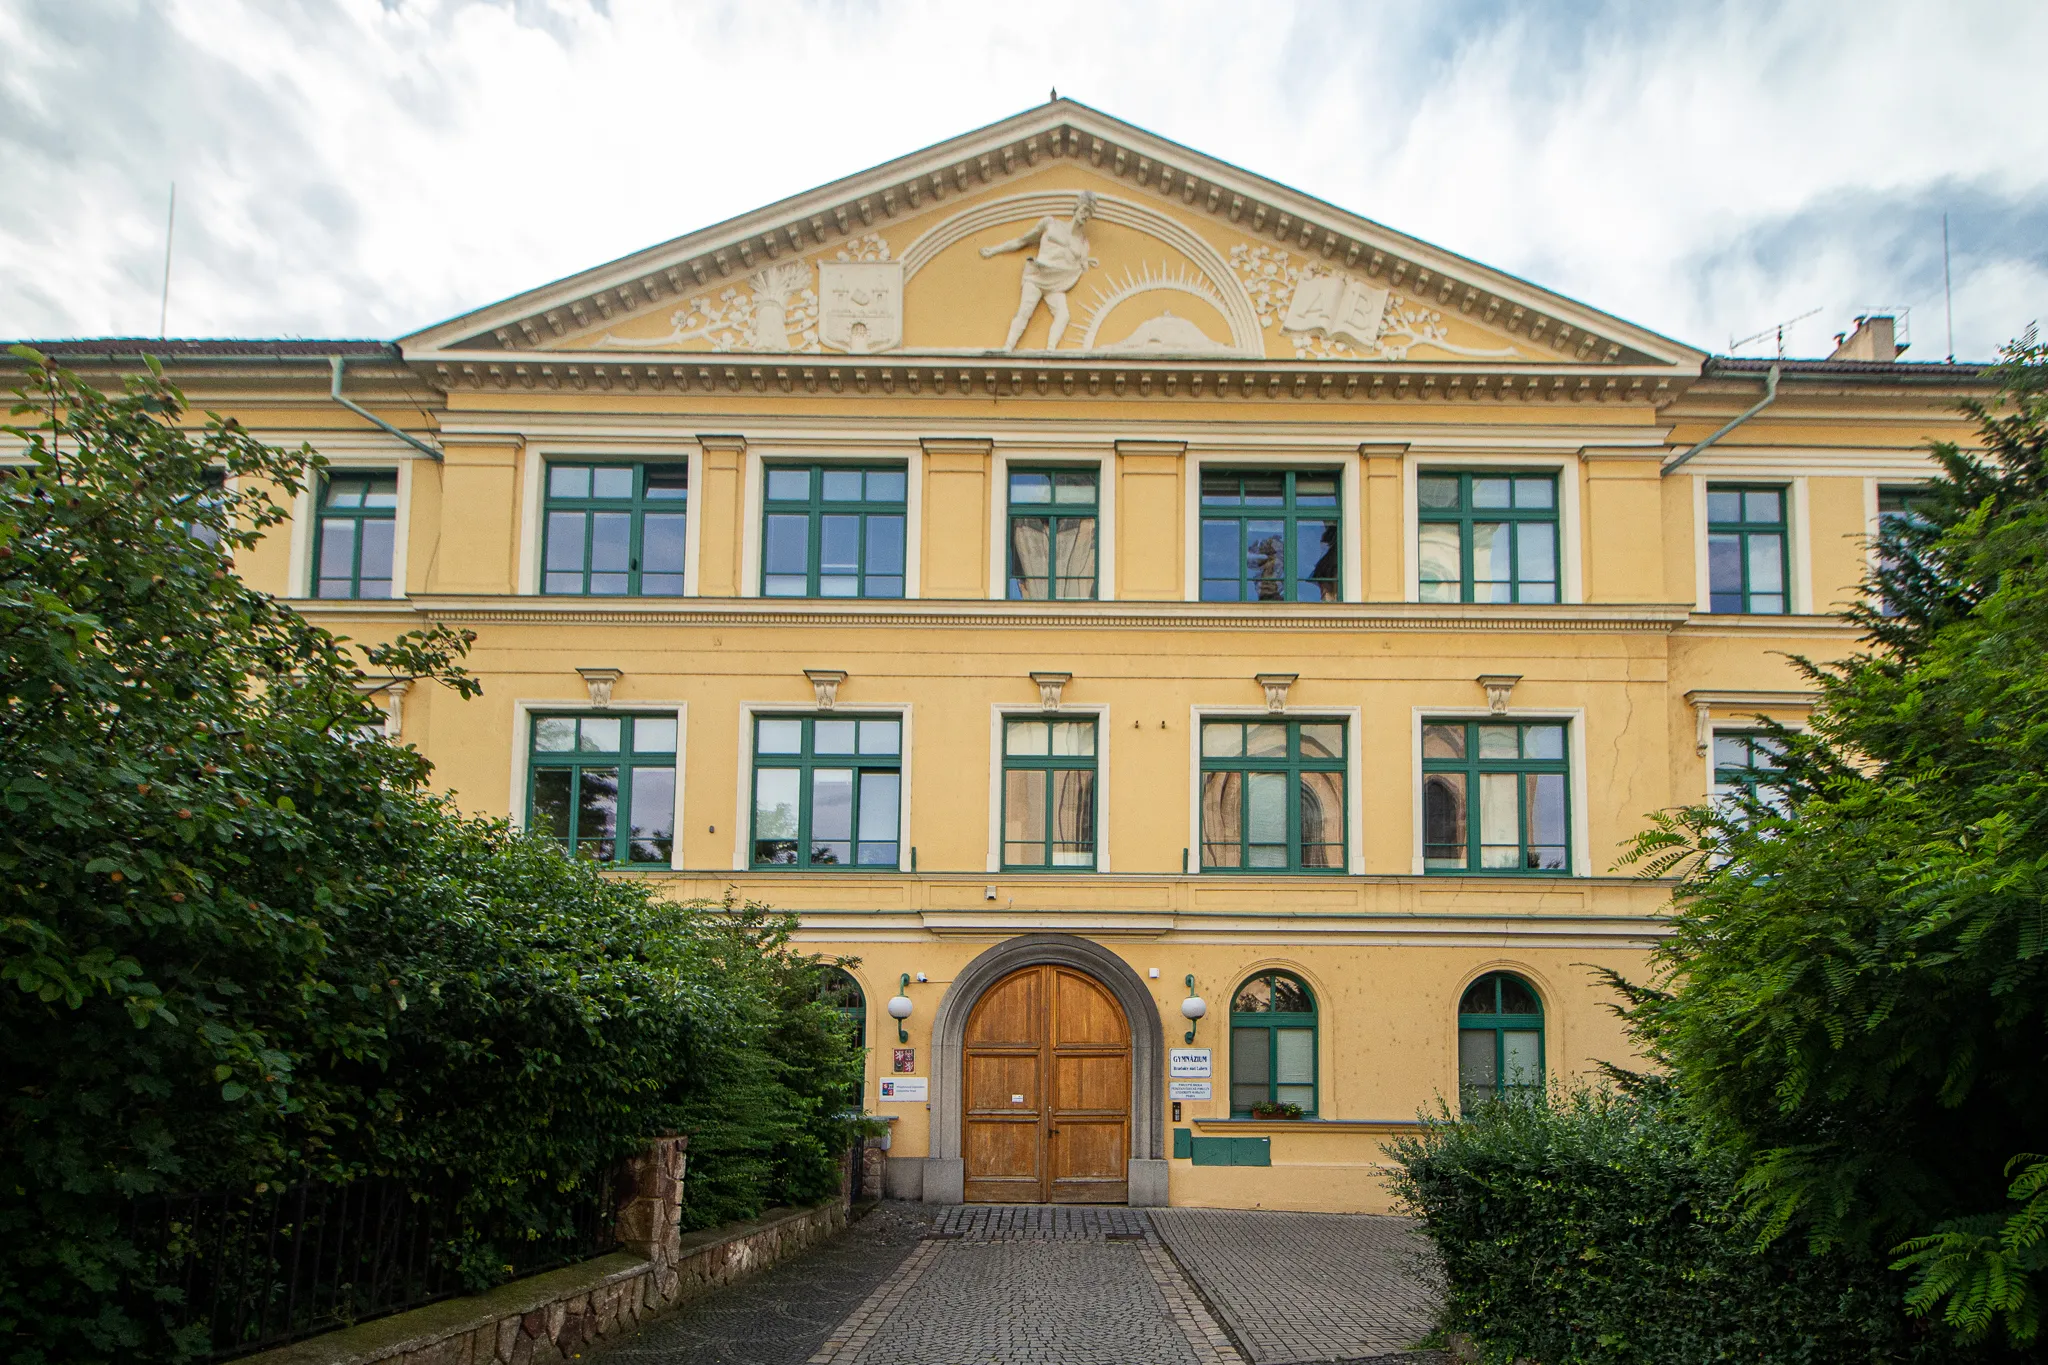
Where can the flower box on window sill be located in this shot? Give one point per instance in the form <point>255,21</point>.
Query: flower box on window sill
<point>1268,1110</point>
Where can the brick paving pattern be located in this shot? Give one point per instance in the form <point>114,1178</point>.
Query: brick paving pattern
<point>991,1285</point>
<point>1033,1285</point>
<point>1295,1287</point>
<point>780,1316</point>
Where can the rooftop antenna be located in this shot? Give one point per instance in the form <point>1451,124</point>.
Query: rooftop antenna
<point>163,316</point>
<point>1948,297</point>
<point>1777,327</point>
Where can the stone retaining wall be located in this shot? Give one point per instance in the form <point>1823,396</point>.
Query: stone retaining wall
<point>545,1319</point>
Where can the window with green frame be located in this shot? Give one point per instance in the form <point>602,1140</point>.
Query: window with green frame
<point>1271,536</point>
<point>833,531</point>
<point>1746,556</point>
<point>1048,793</point>
<point>1899,503</point>
<point>838,989</point>
<point>1745,767</point>
<point>827,791</point>
<point>1487,537</point>
<point>605,786</point>
<point>842,994</point>
<point>1273,795</point>
<point>615,529</point>
<point>1272,1044</point>
<point>355,534</point>
<point>1052,534</point>
<point>1500,1039</point>
<point>1518,774</point>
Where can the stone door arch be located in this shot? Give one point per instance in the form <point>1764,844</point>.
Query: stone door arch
<point>945,1172</point>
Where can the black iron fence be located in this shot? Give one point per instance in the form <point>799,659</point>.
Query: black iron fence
<point>242,1271</point>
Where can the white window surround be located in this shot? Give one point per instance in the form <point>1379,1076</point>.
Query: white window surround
<point>1570,537</point>
<point>1797,566</point>
<point>999,519</point>
<point>910,455</point>
<point>999,713</point>
<point>533,496</point>
<point>304,523</point>
<point>523,711</point>
<point>743,825</point>
<point>1350,471</point>
<point>1574,719</point>
<point>1354,782</point>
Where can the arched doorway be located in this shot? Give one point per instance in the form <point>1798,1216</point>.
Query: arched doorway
<point>943,1178</point>
<point>1046,1091</point>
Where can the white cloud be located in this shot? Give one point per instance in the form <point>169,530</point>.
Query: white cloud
<point>362,168</point>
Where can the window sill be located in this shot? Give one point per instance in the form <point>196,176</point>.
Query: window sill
<point>1271,1126</point>
<point>830,870</point>
<point>1497,873</point>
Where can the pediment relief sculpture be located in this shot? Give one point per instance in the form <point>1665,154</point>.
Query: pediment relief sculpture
<point>1130,246</point>
<point>1110,274</point>
<point>1062,256</point>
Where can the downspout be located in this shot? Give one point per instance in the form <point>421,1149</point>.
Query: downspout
<point>1770,396</point>
<point>359,410</point>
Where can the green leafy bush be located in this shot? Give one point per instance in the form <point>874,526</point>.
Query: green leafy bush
<point>1596,1227</point>
<point>239,943</point>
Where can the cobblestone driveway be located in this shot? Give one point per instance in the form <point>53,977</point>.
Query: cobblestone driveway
<point>1307,1286</point>
<point>1018,1284</point>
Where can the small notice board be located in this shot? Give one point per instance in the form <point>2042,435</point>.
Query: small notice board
<point>1188,1063</point>
<point>904,1089</point>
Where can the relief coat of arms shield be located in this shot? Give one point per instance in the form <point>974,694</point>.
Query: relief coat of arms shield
<point>860,305</point>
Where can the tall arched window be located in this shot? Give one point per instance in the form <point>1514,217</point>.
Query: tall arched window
<point>837,988</point>
<point>1272,1044</point>
<point>1500,1038</point>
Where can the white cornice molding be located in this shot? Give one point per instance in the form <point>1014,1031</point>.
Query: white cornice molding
<point>1001,151</point>
<point>808,614</point>
<point>982,375</point>
<point>1020,437</point>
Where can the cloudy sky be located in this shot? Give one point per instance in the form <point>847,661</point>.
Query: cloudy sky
<point>357,168</point>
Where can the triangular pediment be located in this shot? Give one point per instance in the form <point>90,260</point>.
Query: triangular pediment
<point>939,254</point>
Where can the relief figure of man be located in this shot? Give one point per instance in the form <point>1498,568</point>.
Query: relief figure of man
<point>1062,256</point>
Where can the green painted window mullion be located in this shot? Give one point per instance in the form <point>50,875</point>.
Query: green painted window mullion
<point>1292,767</point>
<point>1467,516</point>
<point>635,507</point>
<point>625,762</point>
<point>814,554</point>
<point>357,517</point>
<point>1472,767</point>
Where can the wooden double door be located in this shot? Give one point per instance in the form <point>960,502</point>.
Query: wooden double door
<point>1047,1092</point>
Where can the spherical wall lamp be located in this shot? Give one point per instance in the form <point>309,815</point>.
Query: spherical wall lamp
<point>900,1008</point>
<point>1192,1008</point>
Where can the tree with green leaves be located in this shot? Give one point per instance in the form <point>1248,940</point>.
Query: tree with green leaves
<point>242,941</point>
<point>1854,998</point>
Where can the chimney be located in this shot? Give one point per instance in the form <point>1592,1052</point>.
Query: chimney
<point>1873,339</point>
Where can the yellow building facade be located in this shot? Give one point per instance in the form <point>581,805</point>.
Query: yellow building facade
<point>1092,585</point>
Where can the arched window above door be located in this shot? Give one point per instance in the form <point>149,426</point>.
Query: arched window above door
<point>1272,1045</point>
<point>1500,1039</point>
